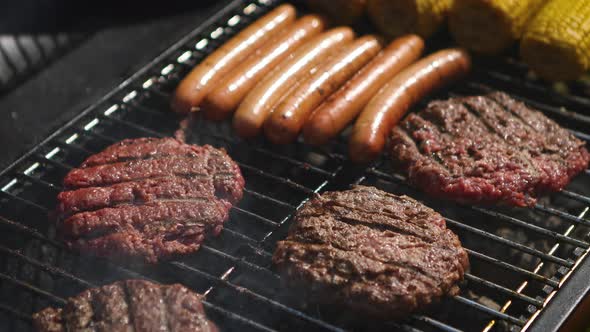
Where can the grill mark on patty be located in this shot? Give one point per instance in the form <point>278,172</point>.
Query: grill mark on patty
<point>492,98</point>
<point>128,302</point>
<point>143,149</point>
<point>195,187</point>
<point>427,243</point>
<point>377,224</point>
<point>142,158</point>
<point>140,202</point>
<point>543,150</point>
<point>130,305</point>
<point>390,265</point>
<point>101,175</point>
<point>499,151</point>
<point>80,312</point>
<point>432,156</point>
<point>358,265</point>
<point>524,157</point>
<point>110,310</point>
<point>443,134</point>
<point>103,229</point>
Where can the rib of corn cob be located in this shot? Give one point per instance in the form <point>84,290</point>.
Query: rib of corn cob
<point>556,44</point>
<point>399,17</point>
<point>490,26</point>
<point>340,11</point>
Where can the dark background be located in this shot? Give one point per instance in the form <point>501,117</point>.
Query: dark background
<point>56,57</point>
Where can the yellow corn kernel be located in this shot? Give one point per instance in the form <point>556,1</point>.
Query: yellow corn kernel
<point>556,44</point>
<point>490,26</point>
<point>394,18</point>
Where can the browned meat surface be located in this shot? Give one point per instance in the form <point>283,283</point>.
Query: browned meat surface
<point>148,198</point>
<point>486,149</point>
<point>374,253</point>
<point>128,306</point>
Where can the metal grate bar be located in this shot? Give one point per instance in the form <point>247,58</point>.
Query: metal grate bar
<point>491,236</point>
<point>268,198</point>
<point>73,146</point>
<point>555,212</point>
<point>274,155</point>
<point>535,228</point>
<point>252,214</point>
<point>235,316</point>
<point>510,267</point>
<point>576,196</point>
<point>279,179</point>
<point>134,126</point>
<point>250,293</point>
<point>45,267</point>
<point>401,180</point>
<point>15,313</point>
<point>100,136</point>
<point>22,200</point>
<point>53,162</point>
<point>475,279</point>
<point>488,310</point>
<point>87,284</point>
<point>33,289</point>
<point>511,244</point>
<point>29,231</point>
<point>38,181</point>
<point>435,323</point>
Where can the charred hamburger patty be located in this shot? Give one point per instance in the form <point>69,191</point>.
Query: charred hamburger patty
<point>486,149</point>
<point>150,198</point>
<point>131,305</point>
<point>375,253</point>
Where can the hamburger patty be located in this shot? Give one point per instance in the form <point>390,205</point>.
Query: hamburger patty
<point>150,198</point>
<point>375,253</point>
<point>127,306</point>
<point>486,149</point>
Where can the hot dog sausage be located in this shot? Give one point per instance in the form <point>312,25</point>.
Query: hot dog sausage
<point>387,107</point>
<point>345,104</point>
<point>193,88</point>
<point>288,118</point>
<point>226,96</point>
<point>258,103</point>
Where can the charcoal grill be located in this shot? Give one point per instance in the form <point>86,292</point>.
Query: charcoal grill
<point>528,265</point>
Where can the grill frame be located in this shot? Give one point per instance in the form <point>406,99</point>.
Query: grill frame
<point>342,175</point>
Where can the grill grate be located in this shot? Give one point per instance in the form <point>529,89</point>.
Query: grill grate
<point>520,257</point>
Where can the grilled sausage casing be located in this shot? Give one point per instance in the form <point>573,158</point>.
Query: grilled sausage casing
<point>193,88</point>
<point>345,104</point>
<point>387,107</point>
<point>258,103</point>
<point>288,118</point>
<point>226,96</point>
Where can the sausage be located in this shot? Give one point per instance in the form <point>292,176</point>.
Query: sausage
<point>193,88</point>
<point>345,104</point>
<point>226,96</point>
<point>259,102</point>
<point>387,107</point>
<point>285,122</point>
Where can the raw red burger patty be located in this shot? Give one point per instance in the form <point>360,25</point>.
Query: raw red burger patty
<point>128,306</point>
<point>149,198</point>
<point>486,149</point>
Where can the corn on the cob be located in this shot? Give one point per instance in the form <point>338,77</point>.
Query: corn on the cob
<point>399,17</point>
<point>556,44</point>
<point>340,11</point>
<point>490,26</point>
